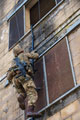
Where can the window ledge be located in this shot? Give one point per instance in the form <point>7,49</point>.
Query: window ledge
<point>60,98</point>
<point>3,77</point>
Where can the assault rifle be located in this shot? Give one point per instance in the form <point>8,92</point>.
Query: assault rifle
<point>21,66</point>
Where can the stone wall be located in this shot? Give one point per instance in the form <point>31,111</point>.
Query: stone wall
<point>53,27</point>
<point>71,112</point>
<point>9,108</point>
<point>74,40</point>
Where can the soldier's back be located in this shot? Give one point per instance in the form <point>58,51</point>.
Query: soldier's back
<point>23,57</point>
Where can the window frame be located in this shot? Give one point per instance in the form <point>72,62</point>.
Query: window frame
<point>73,75</point>
<point>26,33</point>
<point>45,75</point>
<point>9,48</point>
<point>73,27</point>
<point>50,11</point>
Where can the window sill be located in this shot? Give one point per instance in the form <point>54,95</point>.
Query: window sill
<point>60,98</point>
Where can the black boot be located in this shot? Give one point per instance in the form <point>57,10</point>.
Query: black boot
<point>21,98</point>
<point>33,114</point>
<point>22,105</point>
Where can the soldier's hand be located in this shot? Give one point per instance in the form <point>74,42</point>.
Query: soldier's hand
<point>18,72</point>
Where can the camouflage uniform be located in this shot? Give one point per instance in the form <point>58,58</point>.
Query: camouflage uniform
<point>24,87</point>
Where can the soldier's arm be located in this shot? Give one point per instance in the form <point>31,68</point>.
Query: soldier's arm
<point>32,55</point>
<point>11,71</point>
<point>10,75</point>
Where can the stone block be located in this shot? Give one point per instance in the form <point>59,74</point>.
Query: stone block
<point>56,116</point>
<point>70,109</point>
<point>76,116</point>
<point>21,117</point>
<point>68,118</point>
<point>75,47</point>
<point>78,79</point>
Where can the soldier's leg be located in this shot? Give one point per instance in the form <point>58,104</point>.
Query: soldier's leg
<point>32,97</point>
<point>31,92</point>
<point>19,87</point>
<point>21,93</point>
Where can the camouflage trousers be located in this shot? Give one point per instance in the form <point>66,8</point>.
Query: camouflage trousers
<point>26,86</point>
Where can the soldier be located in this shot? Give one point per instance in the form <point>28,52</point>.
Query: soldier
<point>25,86</point>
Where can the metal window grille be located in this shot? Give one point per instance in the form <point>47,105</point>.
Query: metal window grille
<point>16,30</point>
<point>55,74</point>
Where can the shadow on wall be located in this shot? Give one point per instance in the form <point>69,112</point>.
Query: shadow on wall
<point>3,7</point>
<point>18,2</point>
<point>2,3</point>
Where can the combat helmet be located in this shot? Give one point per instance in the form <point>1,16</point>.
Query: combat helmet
<point>17,50</point>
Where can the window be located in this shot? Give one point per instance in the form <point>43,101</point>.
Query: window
<point>59,74</point>
<point>36,10</point>
<point>16,30</point>
<point>27,16</point>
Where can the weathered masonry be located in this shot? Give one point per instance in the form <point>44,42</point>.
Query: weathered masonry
<point>56,27</point>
